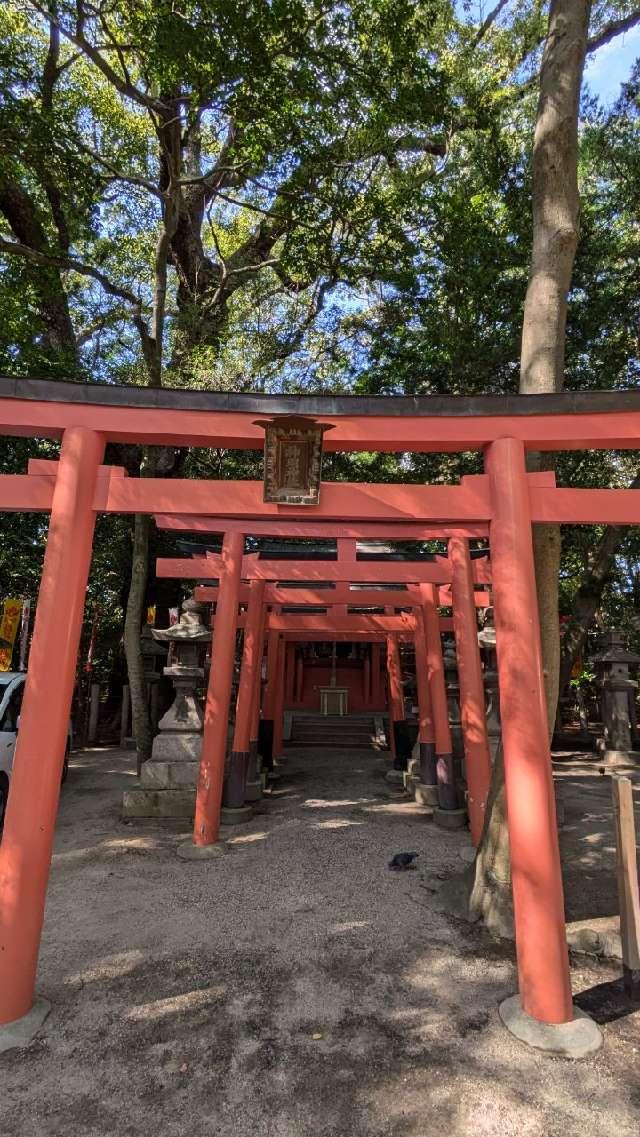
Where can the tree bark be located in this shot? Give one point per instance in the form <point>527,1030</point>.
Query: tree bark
<point>141,724</point>
<point>555,206</point>
<point>556,210</point>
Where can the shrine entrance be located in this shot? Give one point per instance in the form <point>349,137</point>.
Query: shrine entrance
<point>496,507</point>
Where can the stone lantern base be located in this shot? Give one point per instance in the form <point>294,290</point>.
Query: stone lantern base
<point>167,787</point>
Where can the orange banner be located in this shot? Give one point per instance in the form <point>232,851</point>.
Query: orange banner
<point>11,612</point>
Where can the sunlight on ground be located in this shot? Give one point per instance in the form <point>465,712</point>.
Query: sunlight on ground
<point>114,846</point>
<point>324,803</point>
<point>247,838</point>
<point>111,967</point>
<point>401,808</point>
<point>190,1001</point>
<point>349,926</point>
<point>336,823</point>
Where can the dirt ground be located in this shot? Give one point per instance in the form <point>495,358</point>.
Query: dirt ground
<point>296,986</point>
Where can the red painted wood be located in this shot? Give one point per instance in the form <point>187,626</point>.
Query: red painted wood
<point>541,946</point>
<point>586,507</point>
<point>328,597</point>
<point>349,674</point>
<point>327,625</point>
<point>402,572</point>
<point>426,731</point>
<point>339,501</point>
<point>216,713</point>
<point>272,674</point>
<point>472,701</point>
<point>279,702</point>
<point>25,850</point>
<point>364,530</point>
<point>366,510</point>
<point>251,656</point>
<point>232,429</point>
<point>394,679</point>
<point>435,670</point>
<point>257,682</point>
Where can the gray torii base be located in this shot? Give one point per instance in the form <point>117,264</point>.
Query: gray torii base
<point>187,851</point>
<point>19,1033</point>
<point>577,1039</point>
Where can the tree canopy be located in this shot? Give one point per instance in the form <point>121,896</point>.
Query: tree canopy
<point>301,196</point>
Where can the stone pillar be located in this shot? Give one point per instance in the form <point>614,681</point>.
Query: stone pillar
<point>617,689</point>
<point>168,779</point>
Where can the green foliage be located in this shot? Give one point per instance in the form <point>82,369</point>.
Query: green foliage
<point>343,193</point>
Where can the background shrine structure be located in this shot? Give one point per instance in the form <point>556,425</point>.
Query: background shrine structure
<point>501,504</point>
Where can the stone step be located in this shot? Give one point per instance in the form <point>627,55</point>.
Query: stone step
<point>336,731</point>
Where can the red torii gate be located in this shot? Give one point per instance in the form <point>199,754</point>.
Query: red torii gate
<point>503,502</point>
<point>434,735</point>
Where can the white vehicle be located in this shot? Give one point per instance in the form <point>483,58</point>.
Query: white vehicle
<point>11,692</point>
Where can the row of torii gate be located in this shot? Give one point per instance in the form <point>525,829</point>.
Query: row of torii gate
<point>501,504</point>
<point>344,590</point>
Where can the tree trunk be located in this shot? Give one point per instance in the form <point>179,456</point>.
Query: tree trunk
<point>556,209</point>
<point>133,622</point>
<point>555,205</point>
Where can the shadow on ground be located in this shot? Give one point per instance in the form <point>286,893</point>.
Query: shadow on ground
<point>293,987</point>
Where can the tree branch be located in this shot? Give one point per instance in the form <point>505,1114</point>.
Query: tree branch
<point>612,29</point>
<point>17,249</point>
<point>128,89</point>
<point>486,24</point>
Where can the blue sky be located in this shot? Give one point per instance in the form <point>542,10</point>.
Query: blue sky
<point>611,65</point>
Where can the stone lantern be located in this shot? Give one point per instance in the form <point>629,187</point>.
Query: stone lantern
<point>168,779</point>
<point>487,641</point>
<point>153,655</point>
<point>617,697</point>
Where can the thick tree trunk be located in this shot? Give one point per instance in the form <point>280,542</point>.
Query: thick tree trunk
<point>556,210</point>
<point>555,204</point>
<point>133,622</point>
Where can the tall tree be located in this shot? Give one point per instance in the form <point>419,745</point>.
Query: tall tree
<point>555,211</point>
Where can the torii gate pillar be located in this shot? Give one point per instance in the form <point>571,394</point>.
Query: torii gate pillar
<point>427,789</point>
<point>541,945</point>
<point>396,701</point>
<point>472,705</point>
<point>25,852</point>
<point>235,786</point>
<point>206,824</point>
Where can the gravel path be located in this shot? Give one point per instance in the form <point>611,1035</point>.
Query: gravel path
<point>294,986</point>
